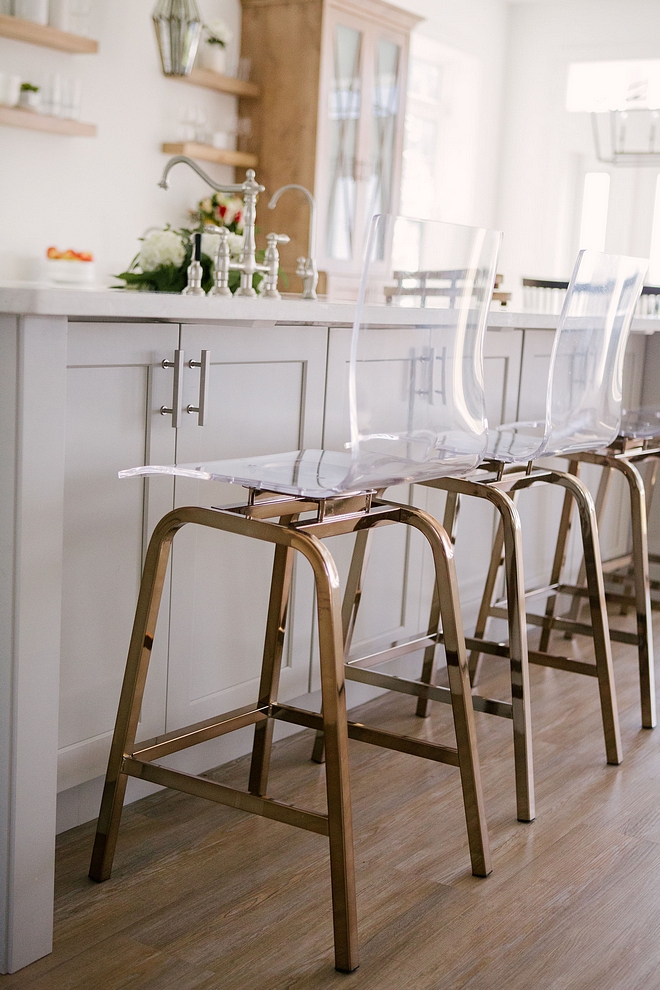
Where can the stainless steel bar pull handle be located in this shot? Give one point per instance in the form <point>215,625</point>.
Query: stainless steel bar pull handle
<point>177,390</point>
<point>204,365</point>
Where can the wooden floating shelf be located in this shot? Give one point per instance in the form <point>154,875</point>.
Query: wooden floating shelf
<point>46,36</point>
<point>224,84</point>
<point>29,119</point>
<point>207,153</point>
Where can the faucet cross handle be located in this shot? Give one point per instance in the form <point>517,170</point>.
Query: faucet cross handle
<point>308,272</point>
<point>272,264</point>
<point>221,286</point>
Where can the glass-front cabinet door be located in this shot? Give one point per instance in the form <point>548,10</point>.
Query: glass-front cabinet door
<point>360,137</point>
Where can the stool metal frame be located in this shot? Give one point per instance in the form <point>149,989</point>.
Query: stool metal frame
<point>290,534</point>
<point>582,415</point>
<point>425,690</point>
<point>622,456</point>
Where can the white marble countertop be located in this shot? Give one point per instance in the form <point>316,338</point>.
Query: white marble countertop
<point>43,299</point>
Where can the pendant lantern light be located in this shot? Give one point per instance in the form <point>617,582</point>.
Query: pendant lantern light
<point>178,26</point>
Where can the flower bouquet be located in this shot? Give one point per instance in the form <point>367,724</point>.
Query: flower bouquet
<point>161,264</point>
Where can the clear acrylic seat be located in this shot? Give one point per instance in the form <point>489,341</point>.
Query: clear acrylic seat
<point>427,421</point>
<point>583,402</point>
<point>583,416</point>
<point>414,408</point>
<point>641,423</point>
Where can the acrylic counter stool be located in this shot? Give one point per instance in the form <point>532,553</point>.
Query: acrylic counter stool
<point>295,500</point>
<point>583,413</point>
<point>638,441</point>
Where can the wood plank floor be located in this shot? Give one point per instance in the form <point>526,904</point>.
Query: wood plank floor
<point>206,898</point>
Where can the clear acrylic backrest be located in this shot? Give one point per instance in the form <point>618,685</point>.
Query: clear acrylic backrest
<point>416,390</point>
<point>586,366</point>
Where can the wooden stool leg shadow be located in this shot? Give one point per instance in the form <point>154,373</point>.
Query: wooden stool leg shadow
<point>123,762</point>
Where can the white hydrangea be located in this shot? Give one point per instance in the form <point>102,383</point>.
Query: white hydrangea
<point>162,247</point>
<point>236,244</point>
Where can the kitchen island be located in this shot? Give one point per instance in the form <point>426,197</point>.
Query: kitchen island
<point>84,376</point>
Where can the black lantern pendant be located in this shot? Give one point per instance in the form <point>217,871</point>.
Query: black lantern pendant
<point>178,29</point>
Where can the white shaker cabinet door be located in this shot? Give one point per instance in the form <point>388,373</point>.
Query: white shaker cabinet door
<point>115,387</point>
<point>265,395</point>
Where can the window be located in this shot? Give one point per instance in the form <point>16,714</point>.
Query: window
<point>595,203</point>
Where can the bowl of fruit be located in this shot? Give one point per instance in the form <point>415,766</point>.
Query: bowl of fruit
<point>70,267</point>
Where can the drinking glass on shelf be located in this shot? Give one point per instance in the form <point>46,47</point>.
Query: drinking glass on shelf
<point>71,98</point>
<point>80,17</point>
<point>244,69</point>
<point>243,132</point>
<point>202,133</point>
<point>52,103</point>
<point>59,14</point>
<point>10,89</point>
<point>186,124</point>
<point>32,10</point>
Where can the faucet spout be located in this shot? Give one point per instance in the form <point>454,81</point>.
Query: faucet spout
<point>165,184</point>
<point>310,276</point>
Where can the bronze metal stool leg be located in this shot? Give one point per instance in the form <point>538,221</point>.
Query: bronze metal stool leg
<point>349,610</point>
<point>601,499</point>
<point>509,540</point>
<point>596,590</point>
<point>449,521</point>
<point>139,655</point>
<point>559,560</point>
<point>335,730</point>
<point>641,580</point>
<point>459,682</point>
<point>496,562</point>
<point>280,592</point>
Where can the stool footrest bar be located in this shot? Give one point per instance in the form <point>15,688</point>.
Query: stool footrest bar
<point>399,649</point>
<point>563,663</point>
<point>213,791</point>
<point>368,734</point>
<point>568,625</point>
<point>433,692</point>
<point>192,735</point>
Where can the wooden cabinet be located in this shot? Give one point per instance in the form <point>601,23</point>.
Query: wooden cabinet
<point>333,78</point>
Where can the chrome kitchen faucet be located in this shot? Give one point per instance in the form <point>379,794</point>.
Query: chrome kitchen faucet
<point>247,265</point>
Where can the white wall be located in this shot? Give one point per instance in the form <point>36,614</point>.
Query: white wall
<point>101,194</point>
<point>546,150</point>
<point>475,28</point>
